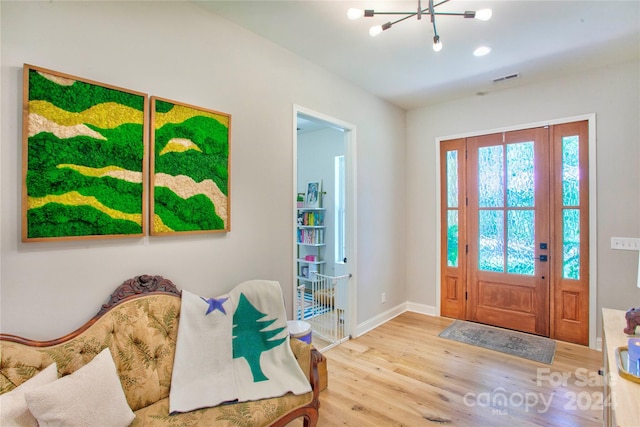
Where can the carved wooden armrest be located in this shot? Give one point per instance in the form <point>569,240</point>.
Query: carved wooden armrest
<point>316,359</point>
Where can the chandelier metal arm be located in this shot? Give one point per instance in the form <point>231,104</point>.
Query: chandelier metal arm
<point>423,11</point>
<point>433,20</point>
<point>411,15</point>
<point>396,13</point>
<point>468,14</point>
<point>428,10</point>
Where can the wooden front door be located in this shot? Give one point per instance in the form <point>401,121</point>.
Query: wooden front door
<point>515,230</point>
<point>508,219</point>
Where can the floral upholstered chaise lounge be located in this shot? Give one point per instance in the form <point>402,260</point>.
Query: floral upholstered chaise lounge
<point>139,326</point>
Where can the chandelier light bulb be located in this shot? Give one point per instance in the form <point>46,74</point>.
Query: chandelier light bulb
<point>354,13</point>
<point>483,14</point>
<point>375,30</point>
<point>437,44</point>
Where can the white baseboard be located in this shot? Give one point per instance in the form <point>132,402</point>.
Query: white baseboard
<point>429,310</point>
<point>598,344</point>
<point>382,318</point>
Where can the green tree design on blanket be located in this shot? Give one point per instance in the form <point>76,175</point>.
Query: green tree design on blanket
<point>250,337</point>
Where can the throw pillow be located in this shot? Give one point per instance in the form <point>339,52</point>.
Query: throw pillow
<point>91,396</point>
<point>13,406</point>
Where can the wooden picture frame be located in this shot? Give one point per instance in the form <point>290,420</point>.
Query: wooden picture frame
<point>84,148</point>
<point>190,169</point>
<point>313,194</point>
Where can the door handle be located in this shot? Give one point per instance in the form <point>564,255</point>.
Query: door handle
<point>542,258</point>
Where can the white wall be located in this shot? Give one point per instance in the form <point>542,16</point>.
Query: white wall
<point>612,93</point>
<point>179,51</point>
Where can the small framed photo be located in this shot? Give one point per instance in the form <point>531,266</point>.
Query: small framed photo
<point>313,194</point>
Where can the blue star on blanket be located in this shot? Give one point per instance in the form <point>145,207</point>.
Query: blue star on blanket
<point>215,304</point>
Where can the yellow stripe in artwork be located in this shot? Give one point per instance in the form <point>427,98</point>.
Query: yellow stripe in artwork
<point>179,145</point>
<point>73,198</point>
<point>107,115</point>
<point>111,171</point>
<point>159,226</point>
<point>179,114</point>
<point>39,124</point>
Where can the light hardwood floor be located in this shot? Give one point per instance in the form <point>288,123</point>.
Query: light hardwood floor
<point>403,374</point>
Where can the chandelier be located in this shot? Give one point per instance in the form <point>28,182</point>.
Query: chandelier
<point>483,15</point>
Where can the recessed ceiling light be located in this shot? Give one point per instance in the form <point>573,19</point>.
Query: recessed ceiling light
<point>482,51</point>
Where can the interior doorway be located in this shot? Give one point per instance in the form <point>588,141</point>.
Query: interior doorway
<point>325,229</point>
<point>515,236</point>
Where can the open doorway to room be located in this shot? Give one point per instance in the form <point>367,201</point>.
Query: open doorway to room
<point>324,238</point>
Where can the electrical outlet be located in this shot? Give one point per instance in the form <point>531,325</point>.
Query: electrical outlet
<point>625,243</point>
<point>383,297</point>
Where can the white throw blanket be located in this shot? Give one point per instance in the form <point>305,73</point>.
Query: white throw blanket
<point>233,348</point>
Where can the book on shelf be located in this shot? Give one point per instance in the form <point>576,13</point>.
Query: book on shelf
<point>311,219</point>
<point>312,236</point>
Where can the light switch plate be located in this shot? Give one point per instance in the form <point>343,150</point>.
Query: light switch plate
<point>625,243</point>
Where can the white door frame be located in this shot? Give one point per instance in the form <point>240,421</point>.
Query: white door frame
<point>351,205</point>
<point>594,342</point>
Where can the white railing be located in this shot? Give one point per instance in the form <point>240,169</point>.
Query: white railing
<point>324,307</point>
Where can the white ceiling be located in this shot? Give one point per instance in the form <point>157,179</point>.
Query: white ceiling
<point>537,39</point>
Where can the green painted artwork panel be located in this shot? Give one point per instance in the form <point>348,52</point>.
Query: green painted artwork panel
<point>85,154</point>
<point>191,169</point>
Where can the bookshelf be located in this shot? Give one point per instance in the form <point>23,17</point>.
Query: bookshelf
<point>311,243</point>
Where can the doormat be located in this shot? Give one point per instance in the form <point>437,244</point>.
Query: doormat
<point>532,347</point>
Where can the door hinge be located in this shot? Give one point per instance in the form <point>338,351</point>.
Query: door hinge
<point>466,296</point>
<point>466,249</point>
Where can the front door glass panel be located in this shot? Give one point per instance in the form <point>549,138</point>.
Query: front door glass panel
<point>512,241</point>
<point>570,201</point>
